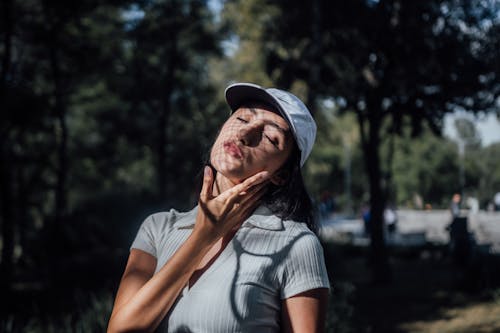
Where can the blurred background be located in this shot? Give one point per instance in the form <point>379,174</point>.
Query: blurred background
<point>108,110</point>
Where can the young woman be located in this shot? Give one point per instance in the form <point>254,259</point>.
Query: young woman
<point>245,258</point>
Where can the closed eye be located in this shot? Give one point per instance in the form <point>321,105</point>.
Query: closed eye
<point>273,141</point>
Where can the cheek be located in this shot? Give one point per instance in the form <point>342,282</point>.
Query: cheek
<point>274,161</point>
<point>277,163</point>
<point>280,158</point>
<point>219,140</point>
<point>228,129</point>
<point>217,156</point>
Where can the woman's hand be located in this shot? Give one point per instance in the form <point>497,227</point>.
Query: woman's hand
<point>220,214</point>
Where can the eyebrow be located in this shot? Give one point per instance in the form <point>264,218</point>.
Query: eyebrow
<point>270,122</point>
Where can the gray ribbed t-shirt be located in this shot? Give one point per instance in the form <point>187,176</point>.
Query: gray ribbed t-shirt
<point>267,260</point>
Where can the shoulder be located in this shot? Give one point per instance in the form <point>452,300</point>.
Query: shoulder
<point>299,230</point>
<point>154,230</point>
<point>302,237</point>
<point>303,267</point>
<point>295,241</point>
<point>168,219</point>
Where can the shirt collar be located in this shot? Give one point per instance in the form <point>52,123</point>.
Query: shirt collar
<point>261,218</point>
<point>187,220</point>
<point>264,218</point>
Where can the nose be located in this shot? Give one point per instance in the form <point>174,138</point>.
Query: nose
<point>250,134</point>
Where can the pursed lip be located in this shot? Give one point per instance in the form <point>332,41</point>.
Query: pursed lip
<point>232,149</point>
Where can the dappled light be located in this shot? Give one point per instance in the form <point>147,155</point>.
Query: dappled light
<point>110,110</point>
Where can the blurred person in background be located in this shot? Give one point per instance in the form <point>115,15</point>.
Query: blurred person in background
<point>496,201</point>
<point>390,219</point>
<point>327,204</point>
<point>456,200</point>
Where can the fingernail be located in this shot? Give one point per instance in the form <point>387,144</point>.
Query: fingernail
<point>207,171</point>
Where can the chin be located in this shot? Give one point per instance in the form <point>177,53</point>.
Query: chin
<point>233,172</point>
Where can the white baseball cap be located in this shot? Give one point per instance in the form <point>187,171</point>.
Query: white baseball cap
<point>297,115</point>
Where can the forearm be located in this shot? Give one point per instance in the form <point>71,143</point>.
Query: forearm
<point>143,303</point>
<point>144,311</point>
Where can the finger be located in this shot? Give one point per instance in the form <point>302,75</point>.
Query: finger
<point>231,194</point>
<point>254,188</point>
<point>254,195</point>
<point>248,203</point>
<point>253,191</point>
<point>256,179</point>
<point>242,210</point>
<point>208,183</point>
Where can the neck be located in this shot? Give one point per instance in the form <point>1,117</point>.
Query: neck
<point>222,183</point>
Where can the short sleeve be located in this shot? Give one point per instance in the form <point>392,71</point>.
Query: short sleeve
<point>304,267</point>
<point>146,236</point>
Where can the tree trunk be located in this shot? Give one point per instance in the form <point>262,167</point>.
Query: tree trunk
<point>314,56</point>
<point>6,187</point>
<point>8,221</point>
<point>54,227</point>
<point>162,147</point>
<point>7,42</point>
<point>163,119</point>
<point>378,260</point>
<point>62,138</point>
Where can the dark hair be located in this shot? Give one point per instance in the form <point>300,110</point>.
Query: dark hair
<point>291,201</point>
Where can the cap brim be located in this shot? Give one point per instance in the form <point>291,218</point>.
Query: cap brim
<point>239,93</point>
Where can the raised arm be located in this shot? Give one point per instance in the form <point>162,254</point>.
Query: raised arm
<point>144,298</point>
<point>140,268</point>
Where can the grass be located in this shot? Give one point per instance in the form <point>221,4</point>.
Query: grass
<point>480,318</point>
<point>427,294</point>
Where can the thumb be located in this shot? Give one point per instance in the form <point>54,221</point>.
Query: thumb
<point>208,182</point>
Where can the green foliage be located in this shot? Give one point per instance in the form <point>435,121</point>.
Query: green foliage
<point>425,166</point>
<point>467,133</point>
<point>102,111</point>
<point>429,166</point>
<point>486,162</point>
<point>336,157</point>
<point>246,21</point>
<point>88,312</point>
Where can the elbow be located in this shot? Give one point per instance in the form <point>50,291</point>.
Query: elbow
<point>125,330</point>
<point>124,326</point>
<point>114,327</point>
